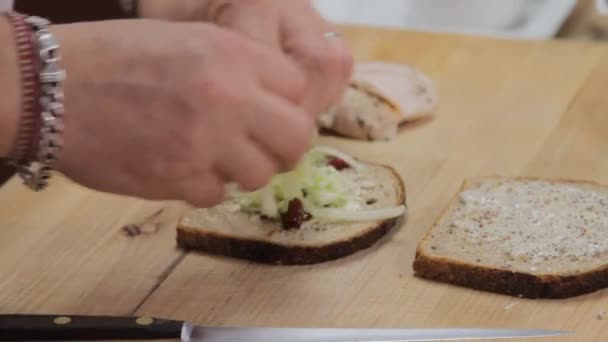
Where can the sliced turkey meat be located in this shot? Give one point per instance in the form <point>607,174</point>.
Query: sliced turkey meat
<point>380,98</point>
<point>410,89</point>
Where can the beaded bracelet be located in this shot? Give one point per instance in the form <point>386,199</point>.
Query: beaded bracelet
<point>27,135</point>
<point>39,140</point>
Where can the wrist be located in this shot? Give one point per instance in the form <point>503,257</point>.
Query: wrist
<point>10,88</point>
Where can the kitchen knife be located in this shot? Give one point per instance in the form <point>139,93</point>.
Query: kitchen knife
<point>89,328</point>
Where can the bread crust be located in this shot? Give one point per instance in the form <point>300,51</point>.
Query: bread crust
<point>265,252</point>
<point>500,281</point>
<point>276,254</point>
<point>510,283</point>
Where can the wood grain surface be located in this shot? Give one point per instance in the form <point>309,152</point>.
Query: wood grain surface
<point>507,108</point>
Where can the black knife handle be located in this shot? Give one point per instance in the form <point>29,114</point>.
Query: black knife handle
<point>86,328</point>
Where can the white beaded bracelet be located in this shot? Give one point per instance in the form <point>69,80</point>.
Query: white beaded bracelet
<point>51,78</point>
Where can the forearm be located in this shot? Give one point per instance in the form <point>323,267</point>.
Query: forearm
<point>9,89</point>
<point>9,96</point>
<point>69,11</point>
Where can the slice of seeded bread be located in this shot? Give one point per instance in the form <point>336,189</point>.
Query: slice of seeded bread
<point>523,237</point>
<point>226,231</point>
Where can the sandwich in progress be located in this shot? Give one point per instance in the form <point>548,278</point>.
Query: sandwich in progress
<point>329,207</point>
<point>532,238</point>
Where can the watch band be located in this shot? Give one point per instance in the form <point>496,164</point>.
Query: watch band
<point>69,11</point>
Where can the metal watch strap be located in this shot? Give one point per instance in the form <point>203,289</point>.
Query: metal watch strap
<point>51,78</point>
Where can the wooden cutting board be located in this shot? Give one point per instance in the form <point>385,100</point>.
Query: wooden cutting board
<point>508,108</point>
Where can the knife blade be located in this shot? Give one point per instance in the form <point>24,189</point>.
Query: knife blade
<point>204,334</point>
<point>89,328</point>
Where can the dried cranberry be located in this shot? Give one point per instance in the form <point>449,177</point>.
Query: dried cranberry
<point>295,215</point>
<point>338,163</point>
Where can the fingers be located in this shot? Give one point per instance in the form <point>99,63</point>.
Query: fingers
<point>250,167</point>
<point>344,57</point>
<point>282,129</point>
<point>281,76</point>
<point>297,30</point>
<point>275,135</point>
<point>278,73</point>
<point>278,135</point>
<point>327,60</point>
<point>206,190</point>
<point>246,19</point>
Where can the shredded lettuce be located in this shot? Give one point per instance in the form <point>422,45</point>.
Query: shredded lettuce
<point>322,189</point>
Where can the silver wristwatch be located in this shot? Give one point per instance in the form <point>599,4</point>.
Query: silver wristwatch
<point>51,78</point>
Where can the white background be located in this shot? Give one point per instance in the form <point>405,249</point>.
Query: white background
<point>513,18</point>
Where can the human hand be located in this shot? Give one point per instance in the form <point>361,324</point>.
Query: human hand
<point>173,111</point>
<point>293,27</point>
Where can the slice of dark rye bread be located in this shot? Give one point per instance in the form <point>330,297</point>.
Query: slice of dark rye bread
<point>226,232</point>
<point>524,237</point>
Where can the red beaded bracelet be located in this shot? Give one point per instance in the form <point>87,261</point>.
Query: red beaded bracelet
<point>26,144</point>
<point>39,134</point>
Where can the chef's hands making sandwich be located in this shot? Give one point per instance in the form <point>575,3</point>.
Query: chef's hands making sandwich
<point>293,28</point>
<point>189,96</point>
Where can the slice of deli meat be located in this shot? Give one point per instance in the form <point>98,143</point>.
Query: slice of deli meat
<point>412,91</point>
<point>364,114</point>
<point>380,98</point>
